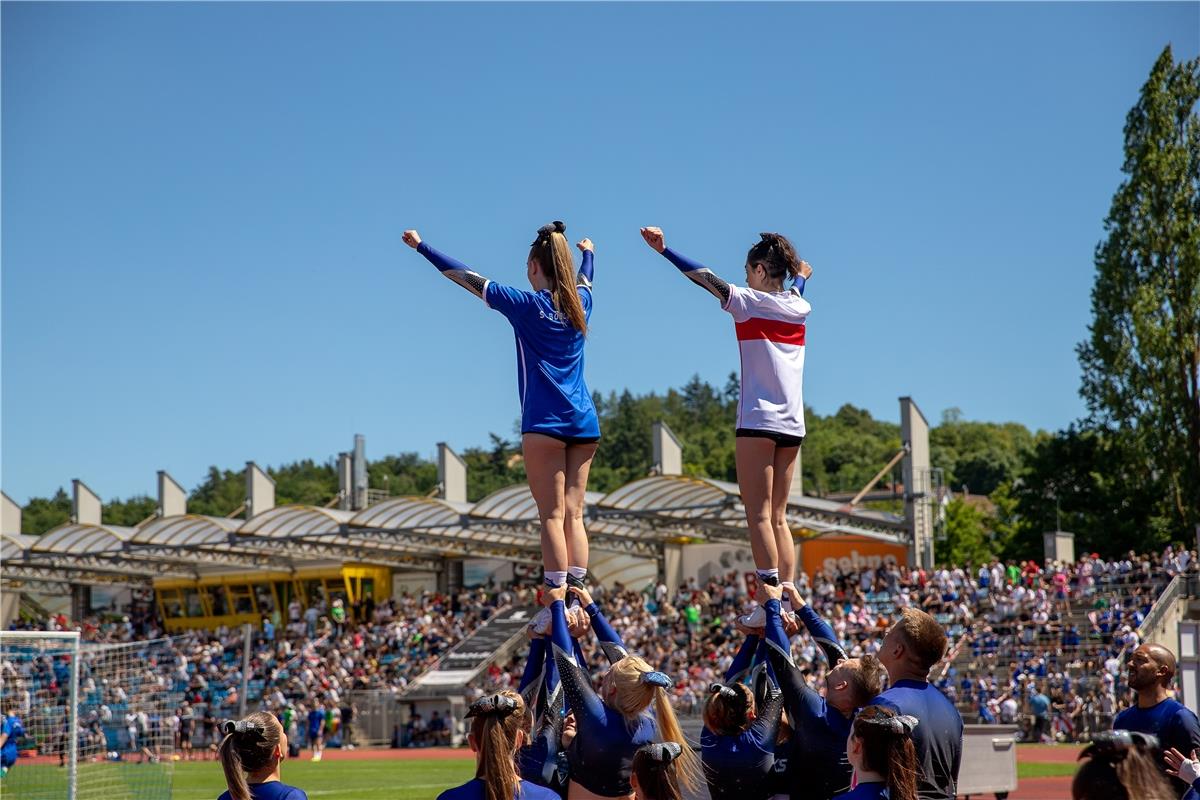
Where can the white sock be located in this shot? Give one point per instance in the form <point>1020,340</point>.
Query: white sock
<point>555,577</point>
<point>578,573</point>
<point>766,575</point>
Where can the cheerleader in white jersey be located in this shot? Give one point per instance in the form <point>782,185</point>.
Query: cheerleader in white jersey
<point>769,320</point>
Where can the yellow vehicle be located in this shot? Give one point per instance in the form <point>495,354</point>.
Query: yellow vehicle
<point>237,598</point>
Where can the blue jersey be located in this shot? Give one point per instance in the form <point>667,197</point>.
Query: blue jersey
<point>601,754</point>
<point>938,737</point>
<point>12,727</point>
<point>555,399</point>
<point>866,791</point>
<point>316,722</point>
<point>271,790</point>
<point>1171,721</point>
<point>475,790</point>
<point>817,766</point>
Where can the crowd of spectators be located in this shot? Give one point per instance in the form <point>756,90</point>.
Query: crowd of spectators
<point>1037,645</point>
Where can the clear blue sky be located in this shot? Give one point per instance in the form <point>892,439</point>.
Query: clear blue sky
<point>202,207</point>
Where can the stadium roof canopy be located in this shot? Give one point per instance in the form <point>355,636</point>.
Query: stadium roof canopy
<point>638,518</point>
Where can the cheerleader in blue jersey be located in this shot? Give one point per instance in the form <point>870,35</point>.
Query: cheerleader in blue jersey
<point>559,426</point>
<point>654,774</point>
<point>881,749</point>
<point>770,323</point>
<point>499,728</point>
<point>817,767</point>
<point>612,724</point>
<point>738,741</point>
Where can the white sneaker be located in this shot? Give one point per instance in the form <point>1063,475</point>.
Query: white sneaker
<point>541,622</point>
<point>755,619</point>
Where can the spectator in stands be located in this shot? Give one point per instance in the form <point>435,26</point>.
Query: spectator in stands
<point>909,651</point>
<point>1151,671</point>
<point>251,754</point>
<point>1039,706</point>
<point>499,728</point>
<point>1120,766</point>
<point>437,729</point>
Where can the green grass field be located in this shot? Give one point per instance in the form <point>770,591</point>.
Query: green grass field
<point>328,780</point>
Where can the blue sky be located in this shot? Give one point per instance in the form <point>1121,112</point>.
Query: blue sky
<point>202,207</point>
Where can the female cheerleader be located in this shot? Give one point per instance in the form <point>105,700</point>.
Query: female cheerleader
<point>499,727</point>
<point>613,724</point>
<point>250,753</point>
<point>769,321</point>
<point>738,741</point>
<point>654,776</point>
<point>817,764</point>
<point>881,749</point>
<point>559,427</point>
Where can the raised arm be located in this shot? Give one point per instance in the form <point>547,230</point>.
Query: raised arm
<point>609,640</point>
<point>743,660</point>
<point>821,632</point>
<point>765,728</point>
<point>453,269</point>
<point>584,278</point>
<point>535,670</point>
<point>802,700</point>
<point>698,273</point>
<point>579,692</point>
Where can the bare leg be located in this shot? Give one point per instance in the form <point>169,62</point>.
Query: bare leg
<point>755,466</point>
<point>545,466</point>
<point>784,467</point>
<point>579,463</point>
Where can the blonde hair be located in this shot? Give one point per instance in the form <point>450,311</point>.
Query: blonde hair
<point>553,254</point>
<point>631,696</point>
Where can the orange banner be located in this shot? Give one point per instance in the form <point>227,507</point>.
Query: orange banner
<point>835,554</point>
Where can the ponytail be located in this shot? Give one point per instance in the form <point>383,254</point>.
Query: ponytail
<point>498,721</point>
<point>654,768</point>
<point>691,773</point>
<point>248,746</point>
<point>553,254</point>
<point>776,255</point>
<point>637,686</point>
<point>888,749</point>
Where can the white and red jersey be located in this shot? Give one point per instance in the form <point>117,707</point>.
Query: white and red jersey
<point>770,332</point>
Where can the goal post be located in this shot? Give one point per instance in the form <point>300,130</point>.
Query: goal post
<point>97,720</point>
<point>16,694</point>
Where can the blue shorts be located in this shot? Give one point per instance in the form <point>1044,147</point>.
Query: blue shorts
<point>7,760</point>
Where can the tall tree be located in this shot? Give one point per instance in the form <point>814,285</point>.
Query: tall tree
<point>1141,363</point>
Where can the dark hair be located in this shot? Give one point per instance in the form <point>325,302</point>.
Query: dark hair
<point>727,708</point>
<point>923,636</point>
<point>1121,765</point>
<point>776,255</point>
<point>496,721</point>
<point>654,766</point>
<point>888,749</point>
<point>551,251</point>
<point>248,746</point>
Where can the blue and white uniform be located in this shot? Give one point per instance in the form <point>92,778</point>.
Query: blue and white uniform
<point>938,739</point>
<point>817,766</point>
<point>601,754</point>
<point>476,790</point>
<point>271,790</point>
<point>738,767</point>
<point>770,329</point>
<point>11,726</point>
<point>555,400</point>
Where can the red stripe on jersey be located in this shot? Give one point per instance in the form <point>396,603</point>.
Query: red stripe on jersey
<point>773,330</point>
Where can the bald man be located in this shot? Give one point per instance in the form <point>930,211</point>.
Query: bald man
<point>1151,671</point>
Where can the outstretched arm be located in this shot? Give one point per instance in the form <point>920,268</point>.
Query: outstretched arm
<point>803,702</point>
<point>584,278</point>
<point>579,692</point>
<point>453,269</point>
<point>610,641</point>
<point>535,666</point>
<point>820,630</point>
<point>698,273</point>
<point>742,661</point>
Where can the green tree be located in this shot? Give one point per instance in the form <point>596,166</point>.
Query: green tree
<point>1141,362</point>
<point>129,512</point>
<point>967,535</point>
<point>41,514</point>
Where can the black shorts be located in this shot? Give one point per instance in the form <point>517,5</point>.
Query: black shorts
<point>567,440</point>
<point>780,439</point>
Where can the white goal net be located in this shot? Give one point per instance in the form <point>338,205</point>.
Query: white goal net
<point>87,721</point>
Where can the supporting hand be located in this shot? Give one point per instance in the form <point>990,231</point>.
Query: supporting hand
<point>654,238</point>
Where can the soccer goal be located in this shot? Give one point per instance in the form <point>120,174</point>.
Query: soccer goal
<point>90,721</point>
